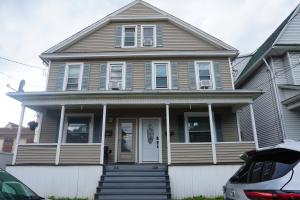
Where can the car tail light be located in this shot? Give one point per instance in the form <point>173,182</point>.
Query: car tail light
<point>274,195</point>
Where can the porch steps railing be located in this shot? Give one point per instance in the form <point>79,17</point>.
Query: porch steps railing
<point>144,182</point>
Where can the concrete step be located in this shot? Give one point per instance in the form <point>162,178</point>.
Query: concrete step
<point>132,191</point>
<point>135,173</point>
<point>131,197</point>
<point>133,185</point>
<point>135,179</point>
<point>135,167</point>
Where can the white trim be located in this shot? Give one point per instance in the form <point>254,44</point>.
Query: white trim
<point>66,75</point>
<point>141,138</point>
<point>154,34</point>
<point>91,125</point>
<point>48,72</point>
<point>169,78</point>
<point>108,72</point>
<point>18,134</point>
<point>238,126</point>
<point>231,73</point>
<point>60,133</point>
<point>168,133</point>
<point>212,133</point>
<point>211,70</point>
<point>103,133</point>
<point>123,36</point>
<point>186,131</point>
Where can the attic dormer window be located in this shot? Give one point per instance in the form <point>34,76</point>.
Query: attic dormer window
<point>129,36</point>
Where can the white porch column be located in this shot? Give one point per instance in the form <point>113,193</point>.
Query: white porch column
<point>103,134</point>
<point>212,133</point>
<point>18,134</point>
<point>61,126</point>
<point>238,125</point>
<point>37,132</point>
<point>253,125</point>
<point>168,133</point>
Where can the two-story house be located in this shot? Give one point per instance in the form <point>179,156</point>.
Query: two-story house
<point>275,69</point>
<point>140,105</point>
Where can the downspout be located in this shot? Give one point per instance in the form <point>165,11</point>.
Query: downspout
<point>276,92</point>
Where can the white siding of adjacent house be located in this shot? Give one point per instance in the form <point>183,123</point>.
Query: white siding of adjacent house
<point>291,34</point>
<point>266,115</point>
<point>295,66</point>
<point>281,70</point>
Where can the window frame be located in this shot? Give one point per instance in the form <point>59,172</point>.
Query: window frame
<point>186,123</point>
<point>108,72</point>
<point>211,70</point>
<point>66,75</point>
<point>154,34</point>
<point>91,127</point>
<point>169,81</point>
<point>123,36</point>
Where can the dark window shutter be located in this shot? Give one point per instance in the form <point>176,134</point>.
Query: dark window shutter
<point>85,77</point>
<point>148,76</point>
<point>174,76</point>
<point>218,76</point>
<point>159,36</point>
<point>219,128</point>
<point>103,72</point>
<point>118,37</point>
<point>128,77</point>
<point>180,128</point>
<point>192,76</point>
<point>60,78</point>
<point>97,128</point>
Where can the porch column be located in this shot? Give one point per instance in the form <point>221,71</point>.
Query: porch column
<point>238,125</point>
<point>18,134</point>
<point>253,125</point>
<point>168,133</point>
<point>61,126</point>
<point>212,133</point>
<point>103,134</point>
<point>37,132</point>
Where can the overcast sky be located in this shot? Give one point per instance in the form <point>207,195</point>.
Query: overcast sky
<point>32,26</point>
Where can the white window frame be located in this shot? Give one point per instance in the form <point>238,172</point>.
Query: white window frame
<point>123,36</point>
<point>91,126</point>
<point>123,73</point>
<point>154,34</point>
<point>169,81</point>
<point>186,124</point>
<point>66,76</point>
<point>211,70</point>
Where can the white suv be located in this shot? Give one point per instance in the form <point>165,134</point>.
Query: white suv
<point>269,173</point>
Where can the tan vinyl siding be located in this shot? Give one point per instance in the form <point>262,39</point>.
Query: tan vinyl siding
<point>138,73</point>
<point>138,10</point>
<point>230,152</point>
<point>174,38</point>
<point>230,131</point>
<point>49,127</point>
<point>31,154</point>
<point>80,154</point>
<point>191,153</point>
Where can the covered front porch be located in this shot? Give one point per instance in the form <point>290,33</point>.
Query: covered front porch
<point>198,130</point>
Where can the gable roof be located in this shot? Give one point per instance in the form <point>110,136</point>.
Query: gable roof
<point>265,47</point>
<point>117,15</point>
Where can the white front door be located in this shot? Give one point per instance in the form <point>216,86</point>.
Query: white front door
<point>150,140</point>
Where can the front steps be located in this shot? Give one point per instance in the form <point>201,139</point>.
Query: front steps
<point>134,182</point>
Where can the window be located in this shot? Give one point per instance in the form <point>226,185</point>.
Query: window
<point>73,76</point>
<point>78,129</point>
<point>129,36</point>
<point>197,127</point>
<point>148,34</point>
<point>161,72</point>
<point>116,76</point>
<point>204,75</point>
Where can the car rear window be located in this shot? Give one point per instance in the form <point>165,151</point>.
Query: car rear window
<point>266,165</point>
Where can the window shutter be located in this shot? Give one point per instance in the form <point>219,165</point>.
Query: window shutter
<point>128,77</point>
<point>192,76</point>
<point>219,129</point>
<point>86,77</point>
<point>97,128</point>
<point>174,76</point>
<point>60,78</point>
<point>180,128</point>
<point>103,72</point>
<point>148,76</point>
<point>159,36</point>
<point>118,37</point>
<point>218,76</point>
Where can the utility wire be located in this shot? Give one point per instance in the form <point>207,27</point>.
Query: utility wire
<point>24,64</point>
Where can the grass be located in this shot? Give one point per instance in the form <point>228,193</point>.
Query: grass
<point>204,198</point>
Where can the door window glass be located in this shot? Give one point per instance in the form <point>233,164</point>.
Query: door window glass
<point>126,137</point>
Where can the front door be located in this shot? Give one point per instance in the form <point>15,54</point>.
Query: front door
<point>126,140</point>
<point>150,140</point>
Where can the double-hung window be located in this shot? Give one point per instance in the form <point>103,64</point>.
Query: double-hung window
<point>73,76</point>
<point>148,35</point>
<point>197,127</point>
<point>161,75</point>
<point>204,75</point>
<point>116,76</point>
<point>129,36</point>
